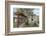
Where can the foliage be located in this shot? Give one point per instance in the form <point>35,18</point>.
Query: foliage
<point>26,11</point>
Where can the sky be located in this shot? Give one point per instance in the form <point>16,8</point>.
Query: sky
<point>14,9</point>
<point>36,11</point>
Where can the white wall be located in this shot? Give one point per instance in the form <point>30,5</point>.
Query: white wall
<point>2,18</point>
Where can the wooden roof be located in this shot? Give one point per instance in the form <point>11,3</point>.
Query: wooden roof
<point>20,14</point>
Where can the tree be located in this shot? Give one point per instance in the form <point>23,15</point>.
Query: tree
<point>27,11</point>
